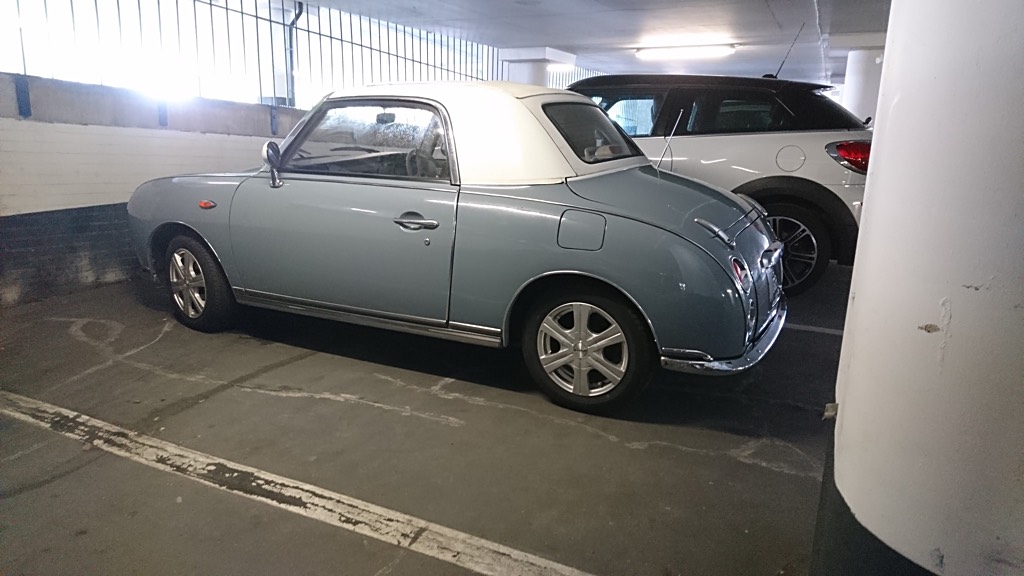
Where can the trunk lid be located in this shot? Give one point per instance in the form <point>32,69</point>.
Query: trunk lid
<point>722,223</point>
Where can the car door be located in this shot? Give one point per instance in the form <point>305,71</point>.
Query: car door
<point>364,221</point>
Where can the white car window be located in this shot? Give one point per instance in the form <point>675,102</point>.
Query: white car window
<point>635,115</point>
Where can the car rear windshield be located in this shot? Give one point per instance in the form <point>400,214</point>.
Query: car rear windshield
<point>589,132</point>
<point>816,111</point>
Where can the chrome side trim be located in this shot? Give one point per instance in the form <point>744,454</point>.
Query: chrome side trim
<point>466,333</point>
<point>487,330</point>
<point>755,352</point>
<point>682,354</point>
<point>716,232</point>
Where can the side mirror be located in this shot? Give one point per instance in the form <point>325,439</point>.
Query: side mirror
<point>272,157</point>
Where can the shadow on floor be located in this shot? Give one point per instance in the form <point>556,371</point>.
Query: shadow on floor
<point>782,397</point>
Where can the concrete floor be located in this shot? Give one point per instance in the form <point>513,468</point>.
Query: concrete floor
<point>701,476</point>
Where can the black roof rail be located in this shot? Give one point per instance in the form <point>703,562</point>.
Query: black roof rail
<point>610,80</point>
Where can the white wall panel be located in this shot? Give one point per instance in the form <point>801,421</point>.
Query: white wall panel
<point>47,166</point>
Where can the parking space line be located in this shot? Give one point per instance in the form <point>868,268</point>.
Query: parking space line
<point>407,532</point>
<point>817,329</point>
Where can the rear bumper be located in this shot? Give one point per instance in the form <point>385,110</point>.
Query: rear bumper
<point>755,352</point>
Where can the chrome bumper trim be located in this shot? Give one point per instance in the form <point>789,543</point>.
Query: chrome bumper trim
<point>753,355</point>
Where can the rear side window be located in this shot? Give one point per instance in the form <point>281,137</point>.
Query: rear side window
<point>816,111</point>
<point>738,111</point>
<point>635,109</point>
<point>635,113</point>
<point>589,132</point>
<point>744,116</point>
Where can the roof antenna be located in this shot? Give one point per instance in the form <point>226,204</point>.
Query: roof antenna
<point>668,141</point>
<point>776,75</point>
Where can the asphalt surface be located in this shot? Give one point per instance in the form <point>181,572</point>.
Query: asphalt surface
<point>701,476</point>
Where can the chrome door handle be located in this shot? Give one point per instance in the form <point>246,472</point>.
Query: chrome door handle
<point>416,223</point>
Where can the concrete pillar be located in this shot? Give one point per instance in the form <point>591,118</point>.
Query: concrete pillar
<point>863,78</point>
<point>929,448</point>
<point>530,65</point>
<point>528,72</point>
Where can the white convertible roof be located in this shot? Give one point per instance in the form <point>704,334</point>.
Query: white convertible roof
<point>499,139</point>
<point>443,90</point>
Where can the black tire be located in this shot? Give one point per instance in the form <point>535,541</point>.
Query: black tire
<point>808,245</point>
<point>635,356</point>
<point>204,302</point>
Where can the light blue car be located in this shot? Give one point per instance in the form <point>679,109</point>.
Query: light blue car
<point>490,213</point>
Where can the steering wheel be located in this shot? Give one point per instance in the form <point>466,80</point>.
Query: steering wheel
<point>422,164</point>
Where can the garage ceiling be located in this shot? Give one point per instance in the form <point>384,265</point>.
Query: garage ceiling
<point>604,34</point>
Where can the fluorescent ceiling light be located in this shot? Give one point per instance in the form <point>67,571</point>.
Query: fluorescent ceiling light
<point>685,52</point>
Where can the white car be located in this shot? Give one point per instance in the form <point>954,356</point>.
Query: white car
<point>783,143</point>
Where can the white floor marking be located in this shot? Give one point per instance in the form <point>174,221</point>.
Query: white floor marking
<point>439,391</point>
<point>408,532</point>
<point>403,410</point>
<point>114,330</point>
<point>744,453</point>
<point>103,346</point>
<point>391,566</point>
<point>28,450</point>
<point>817,329</point>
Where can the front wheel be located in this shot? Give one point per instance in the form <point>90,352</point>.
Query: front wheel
<point>587,350</point>
<point>808,246</point>
<point>199,290</point>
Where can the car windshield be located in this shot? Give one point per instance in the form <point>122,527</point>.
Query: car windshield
<point>589,132</point>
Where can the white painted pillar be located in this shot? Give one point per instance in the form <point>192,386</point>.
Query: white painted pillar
<point>528,72</point>
<point>930,435</point>
<point>863,78</point>
<point>530,65</point>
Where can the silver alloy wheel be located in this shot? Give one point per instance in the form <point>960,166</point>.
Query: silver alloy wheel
<point>800,253</point>
<point>582,349</point>
<point>188,286</point>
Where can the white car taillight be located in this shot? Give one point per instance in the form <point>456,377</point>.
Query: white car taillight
<point>853,154</point>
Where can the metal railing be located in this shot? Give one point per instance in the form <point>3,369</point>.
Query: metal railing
<point>283,52</point>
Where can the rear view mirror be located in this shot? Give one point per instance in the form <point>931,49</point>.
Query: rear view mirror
<point>272,157</point>
<point>272,154</point>
<point>385,118</point>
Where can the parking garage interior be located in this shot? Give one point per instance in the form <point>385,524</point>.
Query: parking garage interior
<point>880,435</point>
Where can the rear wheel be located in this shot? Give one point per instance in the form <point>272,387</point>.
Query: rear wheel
<point>808,245</point>
<point>199,291</point>
<point>587,350</point>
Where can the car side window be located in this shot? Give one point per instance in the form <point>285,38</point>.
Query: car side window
<point>635,115</point>
<point>634,112</point>
<point>724,112</point>
<point>400,139</point>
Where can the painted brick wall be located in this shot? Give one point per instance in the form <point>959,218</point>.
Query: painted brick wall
<point>67,171</point>
<point>58,252</point>
<point>63,189</point>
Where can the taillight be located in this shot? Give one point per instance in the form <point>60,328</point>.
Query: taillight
<point>853,154</point>
<point>742,274</point>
